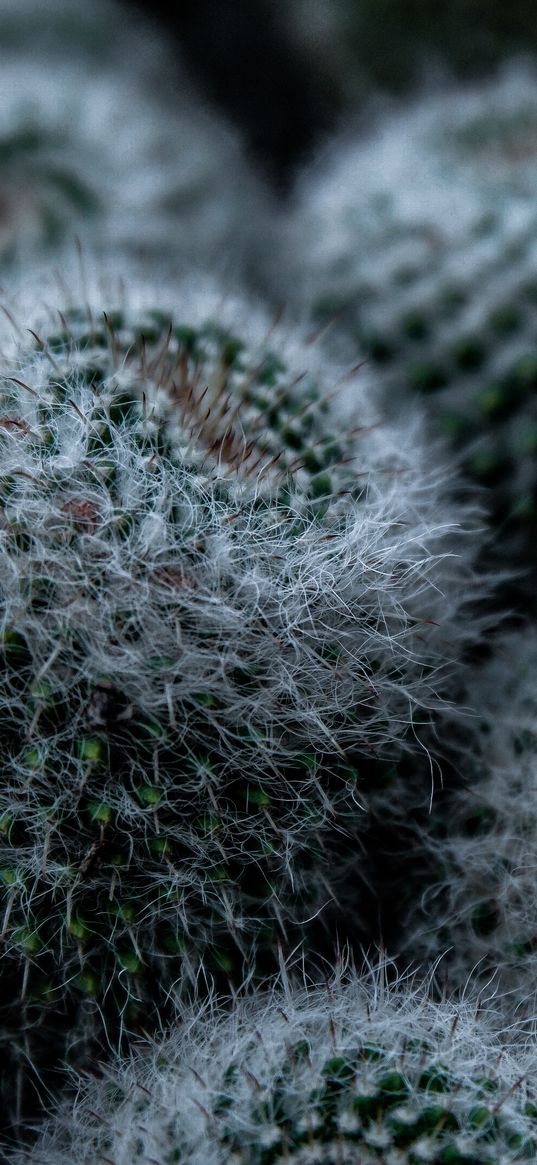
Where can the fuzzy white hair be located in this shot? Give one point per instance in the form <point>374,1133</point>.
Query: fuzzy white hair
<point>480,913</point>
<point>308,1074</point>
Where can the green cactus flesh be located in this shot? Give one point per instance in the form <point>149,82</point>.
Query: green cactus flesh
<point>380,1114</point>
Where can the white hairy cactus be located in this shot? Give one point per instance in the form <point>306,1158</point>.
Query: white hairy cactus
<point>355,1071</point>
<point>383,210</point>
<point>362,549</point>
<point>480,910</point>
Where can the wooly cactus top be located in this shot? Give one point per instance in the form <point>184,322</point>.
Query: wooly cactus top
<point>88,149</point>
<point>200,637</point>
<point>419,241</point>
<point>480,910</point>
<point>353,1072</point>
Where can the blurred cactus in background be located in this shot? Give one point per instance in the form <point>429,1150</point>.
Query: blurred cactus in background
<point>96,145</point>
<point>417,242</point>
<point>364,46</point>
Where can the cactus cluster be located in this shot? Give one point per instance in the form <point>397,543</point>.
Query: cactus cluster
<point>252,683</point>
<point>355,1071</point>
<point>418,241</point>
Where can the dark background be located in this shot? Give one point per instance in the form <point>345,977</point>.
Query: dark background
<point>240,57</point>
<point>285,92</point>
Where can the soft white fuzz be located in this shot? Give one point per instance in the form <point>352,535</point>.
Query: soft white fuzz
<point>355,1071</point>
<point>441,174</point>
<point>355,621</point>
<point>480,914</point>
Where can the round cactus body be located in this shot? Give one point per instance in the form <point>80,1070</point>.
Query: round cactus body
<point>216,598</point>
<point>353,1072</point>
<point>480,910</point>
<point>419,243</point>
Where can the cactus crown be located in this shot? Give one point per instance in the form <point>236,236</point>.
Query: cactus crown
<point>230,412</point>
<point>355,1071</point>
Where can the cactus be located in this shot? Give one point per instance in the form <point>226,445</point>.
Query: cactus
<point>355,1071</point>
<point>479,910</point>
<point>89,149</point>
<point>216,597</point>
<point>419,243</point>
